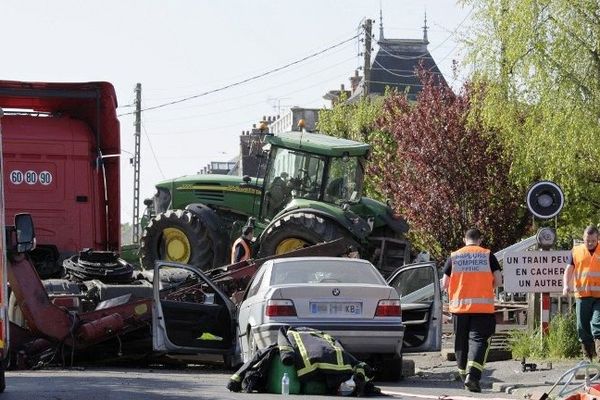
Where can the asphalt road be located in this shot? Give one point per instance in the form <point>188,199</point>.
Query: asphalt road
<point>197,383</point>
<point>434,379</point>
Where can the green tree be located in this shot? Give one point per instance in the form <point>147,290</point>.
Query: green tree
<point>447,173</point>
<point>540,63</point>
<point>358,121</point>
<point>442,173</point>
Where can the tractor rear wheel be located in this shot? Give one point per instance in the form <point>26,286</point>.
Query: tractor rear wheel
<point>297,231</point>
<point>179,236</point>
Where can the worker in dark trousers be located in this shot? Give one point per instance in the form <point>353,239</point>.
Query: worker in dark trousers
<point>242,247</point>
<point>582,278</point>
<point>470,276</point>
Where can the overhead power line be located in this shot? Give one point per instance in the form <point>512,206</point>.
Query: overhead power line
<point>272,71</point>
<point>153,153</point>
<point>254,93</point>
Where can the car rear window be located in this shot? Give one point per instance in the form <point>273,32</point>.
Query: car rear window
<point>325,272</point>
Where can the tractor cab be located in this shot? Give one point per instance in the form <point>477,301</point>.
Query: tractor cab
<point>307,166</point>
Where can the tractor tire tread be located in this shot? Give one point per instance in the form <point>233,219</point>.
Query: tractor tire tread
<point>195,231</point>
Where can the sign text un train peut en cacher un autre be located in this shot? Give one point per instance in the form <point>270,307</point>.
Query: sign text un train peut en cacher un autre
<point>535,271</point>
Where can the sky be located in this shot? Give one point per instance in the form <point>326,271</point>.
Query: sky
<point>183,48</point>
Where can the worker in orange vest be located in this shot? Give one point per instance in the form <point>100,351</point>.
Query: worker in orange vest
<point>242,247</point>
<point>470,276</point>
<point>582,278</point>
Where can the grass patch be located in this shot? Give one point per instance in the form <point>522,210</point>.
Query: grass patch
<point>562,338</point>
<point>560,343</point>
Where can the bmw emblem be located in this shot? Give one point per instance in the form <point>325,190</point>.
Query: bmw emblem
<point>335,292</point>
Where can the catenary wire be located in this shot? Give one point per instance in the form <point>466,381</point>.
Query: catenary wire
<point>254,94</point>
<point>238,76</point>
<point>342,49</point>
<point>153,153</point>
<point>244,80</point>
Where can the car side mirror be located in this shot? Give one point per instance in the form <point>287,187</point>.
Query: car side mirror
<point>25,233</point>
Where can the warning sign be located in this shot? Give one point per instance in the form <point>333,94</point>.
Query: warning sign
<point>535,271</point>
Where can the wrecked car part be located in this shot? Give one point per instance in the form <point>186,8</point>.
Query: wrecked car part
<point>105,266</point>
<point>56,324</point>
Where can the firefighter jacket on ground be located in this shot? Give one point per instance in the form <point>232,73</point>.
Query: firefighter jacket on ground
<point>247,251</point>
<point>316,356</point>
<point>471,286</point>
<point>587,271</point>
<point>253,375</point>
<point>314,351</point>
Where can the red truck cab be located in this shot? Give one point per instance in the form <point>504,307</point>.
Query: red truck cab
<point>61,143</point>
<point>25,241</point>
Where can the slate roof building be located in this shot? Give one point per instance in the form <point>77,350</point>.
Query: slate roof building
<point>394,65</point>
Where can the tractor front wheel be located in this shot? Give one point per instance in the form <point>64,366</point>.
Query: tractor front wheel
<point>179,236</point>
<point>297,231</point>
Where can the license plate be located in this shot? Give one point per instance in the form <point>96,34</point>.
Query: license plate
<point>322,308</point>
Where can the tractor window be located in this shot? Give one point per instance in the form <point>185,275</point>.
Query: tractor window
<point>291,174</point>
<point>344,182</point>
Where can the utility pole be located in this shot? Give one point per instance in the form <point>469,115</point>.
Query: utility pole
<point>367,67</point>
<point>136,163</point>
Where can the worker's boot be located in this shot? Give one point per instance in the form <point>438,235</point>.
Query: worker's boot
<point>589,350</point>
<point>472,384</point>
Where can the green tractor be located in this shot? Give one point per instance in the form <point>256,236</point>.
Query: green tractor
<point>311,193</point>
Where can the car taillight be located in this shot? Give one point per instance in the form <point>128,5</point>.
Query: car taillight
<point>388,308</point>
<point>280,308</point>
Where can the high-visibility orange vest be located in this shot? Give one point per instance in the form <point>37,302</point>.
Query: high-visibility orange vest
<point>247,250</point>
<point>586,271</point>
<point>471,285</point>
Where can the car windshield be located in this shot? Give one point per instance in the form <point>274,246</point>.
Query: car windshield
<point>319,271</point>
<point>344,181</point>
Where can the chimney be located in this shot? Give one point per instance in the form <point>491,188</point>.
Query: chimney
<point>355,80</point>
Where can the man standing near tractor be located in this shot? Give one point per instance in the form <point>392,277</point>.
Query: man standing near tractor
<point>242,247</point>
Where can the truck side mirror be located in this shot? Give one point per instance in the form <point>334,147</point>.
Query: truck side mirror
<point>25,233</point>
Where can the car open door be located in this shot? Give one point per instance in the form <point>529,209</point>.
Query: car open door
<point>418,286</point>
<point>191,315</point>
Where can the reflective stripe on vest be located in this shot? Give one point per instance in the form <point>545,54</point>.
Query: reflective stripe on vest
<point>310,366</point>
<point>471,285</point>
<point>584,275</point>
<point>246,254</point>
<point>467,302</point>
<point>586,272</point>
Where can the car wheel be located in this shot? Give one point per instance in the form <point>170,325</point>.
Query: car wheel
<point>390,369</point>
<point>231,362</point>
<point>252,346</point>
